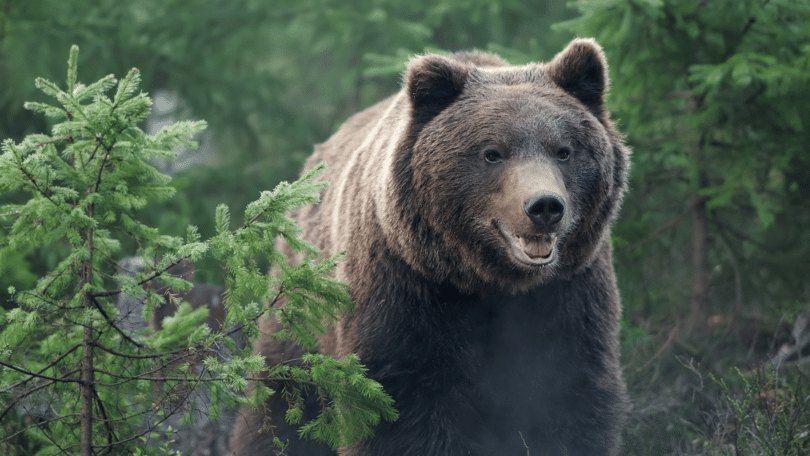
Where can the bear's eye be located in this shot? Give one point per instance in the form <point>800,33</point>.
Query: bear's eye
<point>563,154</point>
<point>492,156</point>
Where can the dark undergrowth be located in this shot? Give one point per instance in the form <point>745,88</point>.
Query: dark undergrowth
<point>739,390</point>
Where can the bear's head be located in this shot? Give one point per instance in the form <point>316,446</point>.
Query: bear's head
<point>506,176</point>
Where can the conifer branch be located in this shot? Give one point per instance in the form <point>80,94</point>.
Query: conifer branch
<point>93,154</point>
<point>149,356</point>
<point>45,288</point>
<point>42,423</point>
<point>195,379</point>
<point>71,296</point>
<point>65,138</point>
<point>153,276</point>
<point>132,356</point>
<point>31,391</point>
<point>44,377</point>
<point>105,419</point>
<point>48,366</point>
<point>36,185</point>
<point>149,429</point>
<point>52,440</point>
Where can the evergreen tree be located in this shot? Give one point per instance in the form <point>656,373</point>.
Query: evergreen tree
<point>72,378</point>
<point>713,98</point>
<point>711,247</point>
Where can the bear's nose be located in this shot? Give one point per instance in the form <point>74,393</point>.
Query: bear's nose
<point>544,209</point>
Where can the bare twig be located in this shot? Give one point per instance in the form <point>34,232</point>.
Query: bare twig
<point>50,365</point>
<point>735,267</point>
<point>524,443</point>
<point>115,352</point>
<point>113,325</point>
<point>62,418</point>
<point>33,374</point>
<point>100,404</point>
<point>662,229</point>
<point>153,276</point>
<point>23,396</point>
<point>673,335</point>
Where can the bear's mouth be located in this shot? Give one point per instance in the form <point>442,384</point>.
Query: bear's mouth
<point>532,250</point>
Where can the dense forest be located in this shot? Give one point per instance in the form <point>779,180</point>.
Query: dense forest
<point>712,244</point>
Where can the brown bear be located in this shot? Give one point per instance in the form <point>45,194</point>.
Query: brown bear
<point>475,206</point>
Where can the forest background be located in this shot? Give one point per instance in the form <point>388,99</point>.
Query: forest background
<point>712,245</point>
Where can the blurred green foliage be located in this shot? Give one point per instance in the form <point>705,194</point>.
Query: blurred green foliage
<point>713,98</point>
<point>271,78</point>
<point>275,77</point>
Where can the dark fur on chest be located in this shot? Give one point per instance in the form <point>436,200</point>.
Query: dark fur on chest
<point>492,374</point>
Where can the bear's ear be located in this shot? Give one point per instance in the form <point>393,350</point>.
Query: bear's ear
<point>433,82</point>
<point>581,70</point>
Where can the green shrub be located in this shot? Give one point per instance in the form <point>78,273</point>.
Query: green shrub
<point>72,379</point>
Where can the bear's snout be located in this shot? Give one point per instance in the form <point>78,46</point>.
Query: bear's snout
<point>545,209</point>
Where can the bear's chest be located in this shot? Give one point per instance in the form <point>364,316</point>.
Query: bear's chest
<point>528,364</point>
<point>493,371</point>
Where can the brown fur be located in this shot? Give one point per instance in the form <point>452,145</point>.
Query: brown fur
<point>481,322</point>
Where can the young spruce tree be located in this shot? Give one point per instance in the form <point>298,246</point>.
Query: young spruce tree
<point>713,99</point>
<point>72,378</point>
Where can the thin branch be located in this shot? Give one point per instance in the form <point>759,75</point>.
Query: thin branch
<point>50,365</point>
<point>250,222</point>
<point>53,441</point>
<point>740,234</point>
<point>67,138</point>
<point>272,304</point>
<point>154,275</point>
<point>106,420</point>
<point>41,423</point>
<point>33,374</point>
<point>662,229</point>
<point>23,396</point>
<point>34,182</point>
<point>195,379</point>
<point>735,267</point>
<point>127,355</point>
<point>52,281</point>
<point>106,156</point>
<point>146,431</point>
<point>113,325</point>
<point>149,429</point>
<point>158,273</point>
<point>93,154</point>
<point>44,298</point>
<point>229,332</point>
<point>524,443</point>
<point>748,25</point>
<point>145,376</point>
<point>673,335</point>
<point>33,390</point>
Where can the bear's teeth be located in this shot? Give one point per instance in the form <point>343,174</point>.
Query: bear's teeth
<point>539,247</point>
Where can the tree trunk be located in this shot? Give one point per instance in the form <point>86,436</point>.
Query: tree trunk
<point>699,297</point>
<point>85,277</point>
<point>87,392</point>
